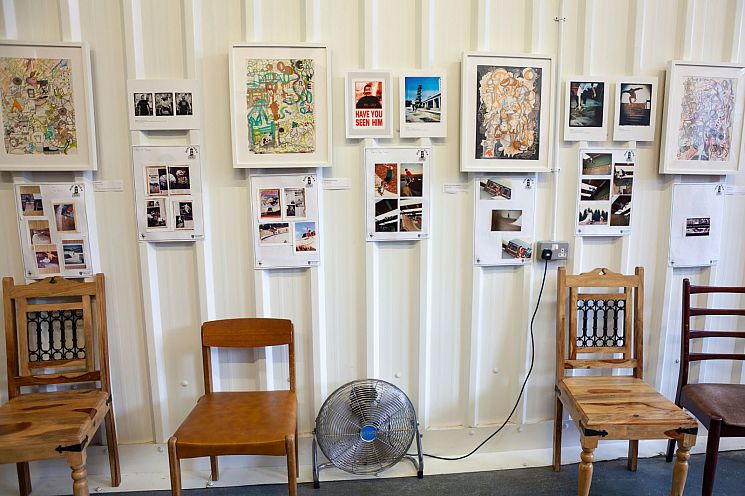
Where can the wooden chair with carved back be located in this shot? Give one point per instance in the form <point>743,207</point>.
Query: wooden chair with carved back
<point>53,330</point>
<point>719,407</point>
<point>240,423</point>
<point>619,407</point>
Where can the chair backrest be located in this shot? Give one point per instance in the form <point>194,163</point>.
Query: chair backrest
<point>49,333</point>
<point>600,323</point>
<point>690,312</point>
<point>246,333</point>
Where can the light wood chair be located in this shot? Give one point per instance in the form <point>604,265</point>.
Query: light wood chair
<point>240,423</point>
<point>611,407</point>
<point>50,339</point>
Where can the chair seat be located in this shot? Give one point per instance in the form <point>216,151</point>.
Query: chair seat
<point>725,401</point>
<point>33,426</point>
<point>625,407</point>
<point>216,425</point>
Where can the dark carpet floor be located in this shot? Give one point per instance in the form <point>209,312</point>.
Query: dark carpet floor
<point>611,478</point>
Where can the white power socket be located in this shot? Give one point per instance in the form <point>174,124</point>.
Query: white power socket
<point>559,249</point>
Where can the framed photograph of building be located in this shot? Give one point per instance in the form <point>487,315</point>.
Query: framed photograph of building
<point>505,112</point>
<point>47,107</point>
<point>168,193</point>
<point>280,105</point>
<point>163,104</point>
<point>702,131</point>
<point>636,109</point>
<point>423,104</point>
<point>368,111</point>
<point>586,109</point>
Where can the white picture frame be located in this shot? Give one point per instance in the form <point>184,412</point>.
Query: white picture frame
<point>181,112</point>
<point>168,193</point>
<point>584,123</point>
<point>54,234</point>
<point>264,136</point>
<point>635,105</point>
<point>684,150</point>
<point>504,219</point>
<point>605,192</point>
<point>397,193</point>
<point>61,80</point>
<point>696,227</point>
<point>371,119</point>
<point>482,149</point>
<point>422,101</point>
<point>286,234</point>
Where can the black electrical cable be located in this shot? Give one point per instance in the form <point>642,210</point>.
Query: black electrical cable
<point>522,389</point>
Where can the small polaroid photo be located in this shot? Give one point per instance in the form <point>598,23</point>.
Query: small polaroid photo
<point>143,104</point>
<point>620,210</point>
<point>623,186</point>
<point>73,254</point>
<point>157,180</point>
<point>411,179</point>
<point>386,180</point>
<point>386,215</point>
<point>697,226</point>
<point>64,216</point>
<point>593,213</point>
<point>597,164</point>
<point>274,234</point>
<point>623,171</point>
<point>305,237</point>
<point>506,220</point>
<point>31,204</point>
<point>270,205</point>
<point>516,248</point>
<point>295,203</point>
<point>410,217</point>
<point>164,104</point>
<point>495,189</point>
<point>179,180</point>
<point>38,231</point>
<point>47,259</point>
<point>183,212</point>
<point>183,104</point>
<point>157,216</point>
<point>595,189</point>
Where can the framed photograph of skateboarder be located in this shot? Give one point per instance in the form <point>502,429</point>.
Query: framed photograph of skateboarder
<point>636,109</point>
<point>586,109</point>
<point>422,104</point>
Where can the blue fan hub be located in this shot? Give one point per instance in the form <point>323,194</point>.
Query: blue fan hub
<point>368,433</point>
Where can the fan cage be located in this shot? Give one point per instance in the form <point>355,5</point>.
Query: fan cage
<point>366,426</point>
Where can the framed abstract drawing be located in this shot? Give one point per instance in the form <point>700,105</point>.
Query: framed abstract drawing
<point>703,118</point>
<point>47,107</point>
<point>423,104</point>
<point>280,105</point>
<point>636,109</point>
<point>586,109</point>
<point>368,112</point>
<point>505,112</point>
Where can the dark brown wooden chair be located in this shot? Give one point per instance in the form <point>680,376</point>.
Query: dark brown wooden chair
<point>239,423</point>
<point>719,407</point>
<point>49,339</point>
<point>611,407</point>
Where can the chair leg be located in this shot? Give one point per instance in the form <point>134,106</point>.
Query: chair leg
<point>215,469</point>
<point>633,455</point>
<point>585,465</point>
<point>291,465</point>
<point>113,448</point>
<point>297,458</point>
<point>680,470</point>
<point>558,428</point>
<point>712,453</point>
<point>174,465</point>
<point>670,450</point>
<point>79,473</point>
<point>24,478</point>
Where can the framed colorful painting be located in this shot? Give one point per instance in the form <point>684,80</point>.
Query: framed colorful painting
<point>703,118</point>
<point>47,107</point>
<point>505,112</point>
<point>280,105</point>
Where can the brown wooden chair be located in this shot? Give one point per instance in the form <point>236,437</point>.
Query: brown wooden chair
<point>49,339</point>
<point>240,423</point>
<point>611,407</point>
<point>719,407</point>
